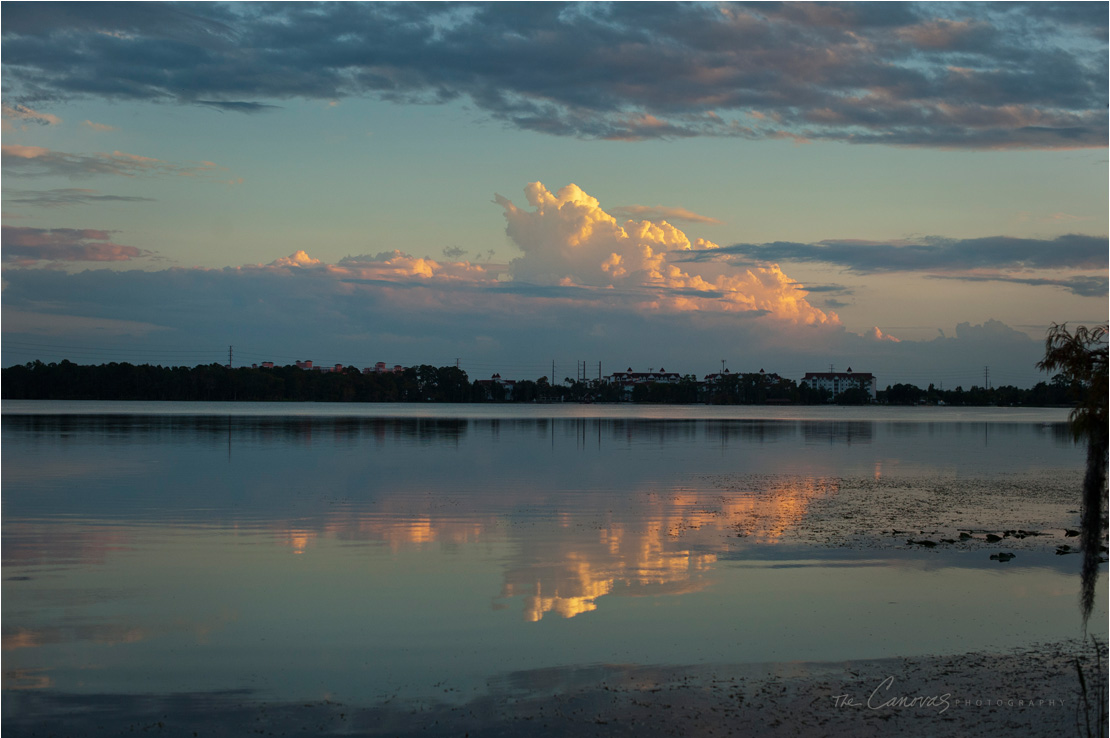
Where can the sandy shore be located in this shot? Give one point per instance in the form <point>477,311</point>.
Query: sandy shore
<point>1032,692</point>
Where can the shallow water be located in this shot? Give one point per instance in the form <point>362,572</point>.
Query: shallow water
<point>365,557</point>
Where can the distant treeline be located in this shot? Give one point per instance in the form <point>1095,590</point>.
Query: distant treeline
<point>214,382</point>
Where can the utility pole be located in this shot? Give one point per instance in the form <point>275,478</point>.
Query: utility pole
<point>229,357</point>
<point>456,362</point>
<point>986,377</point>
<point>722,366</point>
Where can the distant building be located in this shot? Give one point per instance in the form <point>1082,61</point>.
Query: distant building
<point>837,382</point>
<point>629,378</point>
<point>488,384</point>
<point>306,364</point>
<point>714,378</point>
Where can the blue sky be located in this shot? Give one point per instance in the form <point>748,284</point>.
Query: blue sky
<point>916,190</point>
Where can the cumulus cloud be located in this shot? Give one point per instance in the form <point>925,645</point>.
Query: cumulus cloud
<point>878,335</point>
<point>297,259</point>
<point>29,246</point>
<point>568,239</point>
<point>65,196</point>
<point>978,75</point>
<point>33,161</point>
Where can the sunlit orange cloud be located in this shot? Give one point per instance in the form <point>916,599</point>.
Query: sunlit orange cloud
<point>392,266</point>
<point>568,239</point>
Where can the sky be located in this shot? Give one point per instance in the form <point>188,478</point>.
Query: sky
<point>914,190</point>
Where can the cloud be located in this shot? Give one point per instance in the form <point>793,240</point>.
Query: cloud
<point>25,114</point>
<point>661,213</point>
<point>971,75</point>
<point>99,127</point>
<point>375,308</point>
<point>35,161</point>
<point>74,326</point>
<point>568,239</point>
<point>992,331</point>
<point>65,196</point>
<point>878,335</point>
<point>297,259</point>
<point>1083,286</point>
<point>1072,251</point>
<point>29,246</point>
<point>237,106</point>
<point>285,313</point>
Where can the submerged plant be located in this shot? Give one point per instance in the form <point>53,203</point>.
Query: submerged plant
<point>1080,359</point>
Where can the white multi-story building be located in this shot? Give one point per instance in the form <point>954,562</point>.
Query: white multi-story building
<point>837,382</point>
<point>629,378</point>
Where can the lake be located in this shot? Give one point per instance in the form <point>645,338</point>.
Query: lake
<point>422,554</point>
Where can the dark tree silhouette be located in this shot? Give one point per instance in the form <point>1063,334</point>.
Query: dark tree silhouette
<point>1081,358</point>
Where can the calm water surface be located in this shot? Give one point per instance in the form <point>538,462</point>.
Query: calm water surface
<point>366,552</point>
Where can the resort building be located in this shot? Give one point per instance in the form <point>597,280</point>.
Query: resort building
<point>837,382</point>
<point>488,385</point>
<point>629,378</point>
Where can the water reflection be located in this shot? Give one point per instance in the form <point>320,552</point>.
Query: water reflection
<point>140,556</point>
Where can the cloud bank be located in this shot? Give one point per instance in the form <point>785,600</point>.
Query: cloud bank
<point>584,285</point>
<point>959,75</point>
<point>995,258</point>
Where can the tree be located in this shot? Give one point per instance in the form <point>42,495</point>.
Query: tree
<point>1081,358</point>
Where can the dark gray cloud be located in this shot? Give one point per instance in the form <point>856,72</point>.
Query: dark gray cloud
<point>830,288</point>
<point>28,246</point>
<point>237,106</point>
<point>1073,251</point>
<point>65,196</point>
<point>978,75</point>
<point>1081,285</point>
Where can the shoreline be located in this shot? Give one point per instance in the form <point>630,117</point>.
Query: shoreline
<point>1036,689</point>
